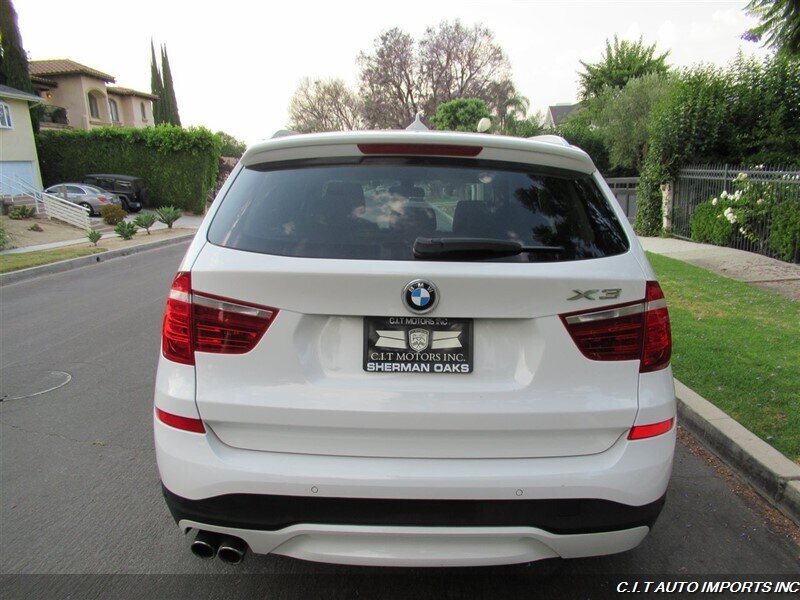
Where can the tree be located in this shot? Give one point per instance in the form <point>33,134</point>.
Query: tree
<point>391,84</point>
<point>779,27</point>
<point>14,66</point>
<point>171,114</point>
<point>324,105</point>
<point>621,62</point>
<point>461,114</point>
<point>623,118</point>
<point>13,58</point>
<point>401,77</point>
<point>463,62</point>
<point>156,88</point>
<point>230,146</point>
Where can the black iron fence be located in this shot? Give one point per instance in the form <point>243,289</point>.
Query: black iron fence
<point>700,183</point>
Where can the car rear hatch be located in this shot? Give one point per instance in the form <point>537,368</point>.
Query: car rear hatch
<point>323,253</point>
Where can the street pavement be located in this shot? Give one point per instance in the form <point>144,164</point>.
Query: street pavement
<point>80,493</point>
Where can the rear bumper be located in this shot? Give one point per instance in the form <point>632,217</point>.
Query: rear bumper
<point>200,467</point>
<point>427,546</point>
<point>273,513</point>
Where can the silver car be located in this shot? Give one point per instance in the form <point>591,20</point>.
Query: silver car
<point>88,196</point>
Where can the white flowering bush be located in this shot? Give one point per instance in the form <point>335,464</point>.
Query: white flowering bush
<point>761,212</point>
<point>746,208</point>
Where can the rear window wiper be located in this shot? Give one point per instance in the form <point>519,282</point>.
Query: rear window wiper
<point>469,248</point>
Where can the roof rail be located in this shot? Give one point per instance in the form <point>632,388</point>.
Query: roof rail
<point>284,133</point>
<point>550,139</point>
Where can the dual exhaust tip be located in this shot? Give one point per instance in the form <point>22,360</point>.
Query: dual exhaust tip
<point>227,548</point>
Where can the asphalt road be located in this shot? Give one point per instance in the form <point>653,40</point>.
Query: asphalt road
<point>80,491</point>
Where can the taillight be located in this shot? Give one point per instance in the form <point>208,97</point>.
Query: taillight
<point>420,149</point>
<point>640,432</point>
<point>102,199</point>
<point>197,322</point>
<point>657,333</point>
<point>639,330</point>
<point>178,422</point>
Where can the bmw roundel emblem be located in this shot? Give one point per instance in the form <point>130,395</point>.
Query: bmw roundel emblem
<point>420,296</point>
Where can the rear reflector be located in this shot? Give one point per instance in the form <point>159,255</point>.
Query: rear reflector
<point>640,432</point>
<point>178,422</point>
<point>420,149</point>
<point>197,322</point>
<point>636,331</point>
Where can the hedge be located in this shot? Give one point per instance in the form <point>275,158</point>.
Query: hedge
<point>707,227</point>
<point>748,113</point>
<point>178,165</point>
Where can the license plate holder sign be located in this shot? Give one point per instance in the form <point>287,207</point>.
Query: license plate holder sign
<point>417,345</point>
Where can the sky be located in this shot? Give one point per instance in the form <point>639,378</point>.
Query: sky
<point>236,64</point>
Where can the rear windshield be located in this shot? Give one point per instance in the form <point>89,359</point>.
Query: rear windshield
<point>375,210</point>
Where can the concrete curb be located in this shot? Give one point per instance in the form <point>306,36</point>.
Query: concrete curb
<point>82,261</point>
<point>772,474</point>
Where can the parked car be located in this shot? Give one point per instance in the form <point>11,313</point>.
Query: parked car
<point>482,382</point>
<point>88,196</point>
<point>131,190</point>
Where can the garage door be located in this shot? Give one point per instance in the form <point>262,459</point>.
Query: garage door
<point>11,170</point>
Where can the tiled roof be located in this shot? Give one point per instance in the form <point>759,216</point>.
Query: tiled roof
<point>64,66</point>
<point>123,91</point>
<point>35,79</point>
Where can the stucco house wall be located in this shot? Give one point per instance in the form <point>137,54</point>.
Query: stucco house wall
<point>73,83</point>
<point>17,148</point>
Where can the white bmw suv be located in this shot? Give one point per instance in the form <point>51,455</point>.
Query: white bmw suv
<point>415,349</point>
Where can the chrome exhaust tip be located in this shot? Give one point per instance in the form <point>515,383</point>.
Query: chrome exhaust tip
<point>205,544</point>
<point>232,550</point>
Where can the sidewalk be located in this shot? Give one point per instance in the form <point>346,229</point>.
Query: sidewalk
<point>185,222</point>
<point>768,273</point>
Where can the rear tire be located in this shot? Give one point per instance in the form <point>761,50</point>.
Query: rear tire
<point>89,206</point>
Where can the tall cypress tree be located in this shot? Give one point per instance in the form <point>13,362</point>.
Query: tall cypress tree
<point>156,88</point>
<point>13,58</point>
<point>169,90</point>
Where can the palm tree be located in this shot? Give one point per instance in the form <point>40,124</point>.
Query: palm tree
<point>779,27</point>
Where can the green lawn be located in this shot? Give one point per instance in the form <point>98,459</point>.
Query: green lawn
<point>14,262</point>
<point>739,347</point>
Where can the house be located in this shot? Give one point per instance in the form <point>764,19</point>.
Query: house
<point>558,113</point>
<point>81,97</point>
<point>18,159</point>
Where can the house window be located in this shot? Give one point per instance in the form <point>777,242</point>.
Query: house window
<point>144,113</point>
<point>112,106</point>
<point>5,116</point>
<point>94,109</point>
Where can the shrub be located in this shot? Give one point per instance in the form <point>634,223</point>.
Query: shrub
<point>168,215</point>
<point>178,165</point>
<point>35,227</point>
<point>94,237</point>
<point>230,146</point>
<point>113,214</point>
<point>21,212</point>
<point>5,238</point>
<point>145,221</point>
<point>461,114</point>
<point>579,131</point>
<point>744,114</point>
<point>784,236</point>
<point>125,230</point>
<point>708,227</point>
